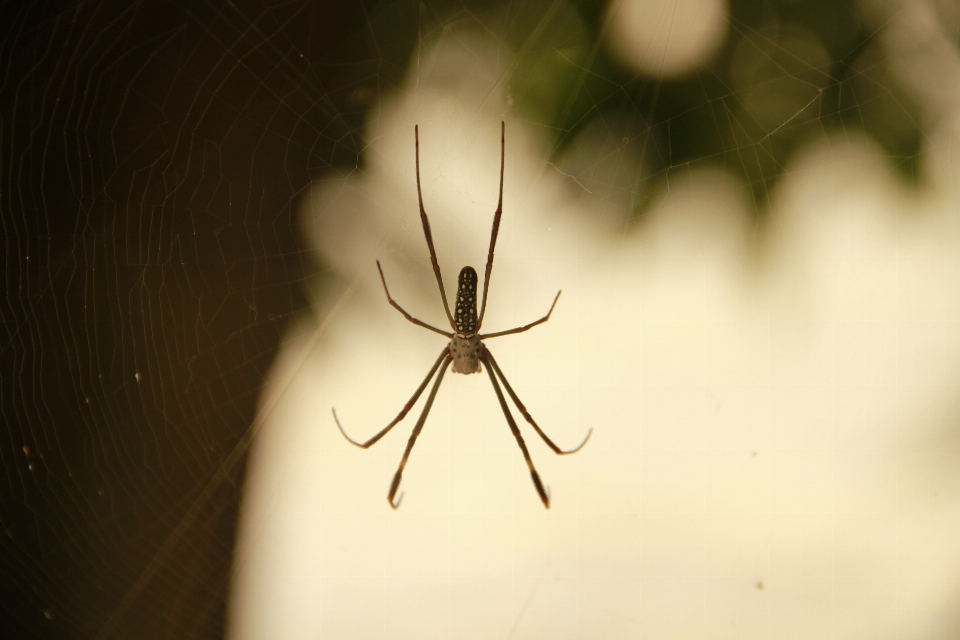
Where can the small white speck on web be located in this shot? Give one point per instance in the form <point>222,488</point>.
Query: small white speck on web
<point>137,376</point>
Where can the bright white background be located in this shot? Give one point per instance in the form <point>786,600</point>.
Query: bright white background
<point>776,431</point>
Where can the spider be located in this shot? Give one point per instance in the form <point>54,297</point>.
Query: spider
<point>466,350</point>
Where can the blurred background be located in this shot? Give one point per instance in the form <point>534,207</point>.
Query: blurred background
<point>758,198</point>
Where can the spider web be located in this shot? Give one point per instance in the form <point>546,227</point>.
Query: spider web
<point>153,157</point>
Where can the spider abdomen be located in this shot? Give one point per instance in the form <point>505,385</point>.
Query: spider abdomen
<point>466,354</point>
<point>465,317</point>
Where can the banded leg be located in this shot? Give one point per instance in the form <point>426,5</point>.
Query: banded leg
<point>416,432</point>
<point>497,334</point>
<point>544,496</point>
<point>403,412</point>
<point>406,315</point>
<point>492,364</point>
<point>426,230</point>
<point>494,231</point>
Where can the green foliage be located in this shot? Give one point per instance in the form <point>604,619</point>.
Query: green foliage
<point>789,72</point>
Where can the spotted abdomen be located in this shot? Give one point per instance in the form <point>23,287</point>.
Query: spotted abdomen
<point>466,312</point>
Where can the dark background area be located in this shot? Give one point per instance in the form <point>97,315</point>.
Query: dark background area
<point>151,159</point>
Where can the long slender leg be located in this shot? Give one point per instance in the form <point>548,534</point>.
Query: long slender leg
<point>426,231</point>
<point>403,412</point>
<point>544,496</point>
<point>405,314</point>
<point>492,364</point>
<point>484,336</point>
<point>416,432</point>
<point>494,231</point>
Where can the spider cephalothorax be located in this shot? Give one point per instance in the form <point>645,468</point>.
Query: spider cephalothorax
<point>465,350</point>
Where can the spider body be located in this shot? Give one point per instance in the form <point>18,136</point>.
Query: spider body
<point>466,353</point>
<point>465,319</point>
<point>466,350</point>
<point>465,346</point>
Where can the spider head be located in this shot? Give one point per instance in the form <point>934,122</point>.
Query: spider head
<point>466,354</point>
<point>465,317</point>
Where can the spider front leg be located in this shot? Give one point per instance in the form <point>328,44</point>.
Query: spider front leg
<point>403,412</point>
<point>416,432</point>
<point>544,494</point>
<point>492,364</point>
<point>442,363</point>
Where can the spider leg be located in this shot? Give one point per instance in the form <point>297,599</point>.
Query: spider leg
<point>416,432</point>
<point>544,494</point>
<point>484,336</point>
<point>494,231</point>
<point>492,364</point>
<point>405,314</point>
<point>403,412</point>
<point>426,230</point>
